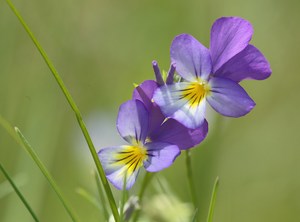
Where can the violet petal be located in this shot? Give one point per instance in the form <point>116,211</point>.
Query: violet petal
<point>144,92</point>
<point>229,36</point>
<point>160,156</point>
<point>133,120</point>
<point>248,64</point>
<point>192,59</point>
<point>229,98</point>
<point>175,133</point>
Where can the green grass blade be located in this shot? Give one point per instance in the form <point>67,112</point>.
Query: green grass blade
<point>19,193</point>
<point>20,139</point>
<point>213,201</point>
<point>6,188</point>
<point>89,197</point>
<point>74,107</point>
<point>44,170</point>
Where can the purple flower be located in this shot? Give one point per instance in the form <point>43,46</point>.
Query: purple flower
<point>167,130</point>
<point>213,74</point>
<point>122,162</point>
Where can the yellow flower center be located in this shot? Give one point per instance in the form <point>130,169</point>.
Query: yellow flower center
<point>132,157</point>
<point>195,92</point>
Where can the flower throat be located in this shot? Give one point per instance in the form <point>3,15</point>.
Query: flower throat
<point>195,92</point>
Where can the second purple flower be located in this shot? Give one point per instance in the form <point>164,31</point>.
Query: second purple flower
<point>213,74</point>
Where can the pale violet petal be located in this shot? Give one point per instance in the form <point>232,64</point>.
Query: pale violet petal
<point>173,104</point>
<point>229,98</point>
<point>191,58</point>
<point>133,120</point>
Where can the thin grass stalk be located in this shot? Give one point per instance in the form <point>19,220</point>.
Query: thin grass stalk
<point>74,107</point>
<point>20,139</point>
<point>123,199</point>
<point>88,196</point>
<point>190,178</point>
<point>213,201</point>
<point>145,183</point>
<point>102,197</point>
<point>48,176</point>
<point>23,199</point>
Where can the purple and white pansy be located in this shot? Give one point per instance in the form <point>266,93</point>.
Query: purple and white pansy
<point>213,74</point>
<point>122,163</point>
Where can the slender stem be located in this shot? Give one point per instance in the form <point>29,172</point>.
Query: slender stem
<point>124,195</point>
<point>88,196</point>
<point>19,193</point>
<point>74,107</point>
<point>194,218</point>
<point>191,178</point>
<point>46,173</point>
<point>145,183</point>
<point>102,198</point>
<point>213,201</point>
<point>20,139</point>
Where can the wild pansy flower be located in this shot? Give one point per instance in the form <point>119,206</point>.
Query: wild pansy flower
<point>124,162</point>
<point>167,130</point>
<point>213,74</point>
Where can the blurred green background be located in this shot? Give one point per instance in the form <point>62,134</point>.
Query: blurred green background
<point>100,48</point>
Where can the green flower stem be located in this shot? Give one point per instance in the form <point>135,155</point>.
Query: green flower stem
<point>74,107</point>
<point>102,198</point>
<point>145,183</point>
<point>46,173</point>
<point>19,193</point>
<point>213,201</point>
<point>123,200</point>
<point>188,163</point>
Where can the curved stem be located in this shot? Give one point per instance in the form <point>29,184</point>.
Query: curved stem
<point>74,107</point>
<point>190,178</point>
<point>18,193</point>
<point>145,183</point>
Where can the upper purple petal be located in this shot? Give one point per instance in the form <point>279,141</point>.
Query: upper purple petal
<point>133,120</point>
<point>229,36</point>
<point>248,64</point>
<point>173,132</point>
<point>144,92</point>
<point>160,156</point>
<point>192,59</point>
<point>229,98</point>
